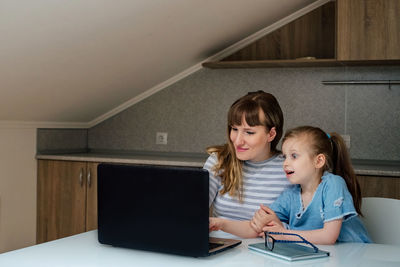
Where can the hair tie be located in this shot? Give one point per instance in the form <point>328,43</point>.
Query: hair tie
<point>329,136</point>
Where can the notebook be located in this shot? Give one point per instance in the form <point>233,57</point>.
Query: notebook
<point>289,251</point>
<point>156,208</point>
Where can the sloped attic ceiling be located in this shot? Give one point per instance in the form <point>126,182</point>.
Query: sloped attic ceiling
<point>72,61</point>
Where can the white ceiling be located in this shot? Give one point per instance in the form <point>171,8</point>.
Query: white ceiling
<point>74,61</point>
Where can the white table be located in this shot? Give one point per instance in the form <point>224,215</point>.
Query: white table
<point>85,250</point>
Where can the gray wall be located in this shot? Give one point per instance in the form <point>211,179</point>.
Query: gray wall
<point>61,140</point>
<point>193,110</point>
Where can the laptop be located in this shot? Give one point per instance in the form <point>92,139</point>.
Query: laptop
<point>156,208</point>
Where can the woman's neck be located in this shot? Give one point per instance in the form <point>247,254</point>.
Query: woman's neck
<point>267,156</point>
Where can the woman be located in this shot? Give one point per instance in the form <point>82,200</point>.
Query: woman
<point>247,171</point>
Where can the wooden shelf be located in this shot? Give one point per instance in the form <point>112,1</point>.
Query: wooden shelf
<point>295,63</point>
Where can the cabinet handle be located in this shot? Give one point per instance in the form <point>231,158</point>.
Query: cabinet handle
<point>81,178</point>
<point>89,178</point>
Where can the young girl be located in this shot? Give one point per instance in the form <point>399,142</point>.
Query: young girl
<point>323,207</point>
<point>247,171</point>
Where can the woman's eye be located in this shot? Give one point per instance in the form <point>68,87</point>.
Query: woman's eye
<point>250,133</point>
<point>234,129</point>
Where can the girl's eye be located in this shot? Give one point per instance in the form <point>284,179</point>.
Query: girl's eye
<point>294,155</point>
<point>234,129</point>
<point>250,133</point>
<point>282,156</point>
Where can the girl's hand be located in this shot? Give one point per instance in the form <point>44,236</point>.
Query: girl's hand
<point>274,226</point>
<point>263,217</point>
<point>215,224</point>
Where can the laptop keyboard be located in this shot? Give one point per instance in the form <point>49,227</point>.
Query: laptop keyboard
<point>214,245</point>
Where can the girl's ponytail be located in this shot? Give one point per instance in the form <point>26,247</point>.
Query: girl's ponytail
<point>341,165</point>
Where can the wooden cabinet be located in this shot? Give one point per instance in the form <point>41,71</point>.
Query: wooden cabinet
<point>368,29</point>
<point>312,35</point>
<point>345,32</point>
<point>66,198</point>
<point>379,186</point>
<point>91,196</point>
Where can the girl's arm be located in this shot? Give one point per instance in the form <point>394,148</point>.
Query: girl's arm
<point>238,228</point>
<point>324,236</point>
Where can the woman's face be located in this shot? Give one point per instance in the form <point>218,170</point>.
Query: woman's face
<point>251,142</point>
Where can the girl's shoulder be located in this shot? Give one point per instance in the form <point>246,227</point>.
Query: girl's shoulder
<point>292,190</point>
<point>330,180</point>
<point>288,197</point>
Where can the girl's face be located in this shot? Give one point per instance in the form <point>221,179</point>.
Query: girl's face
<point>300,165</point>
<point>251,142</point>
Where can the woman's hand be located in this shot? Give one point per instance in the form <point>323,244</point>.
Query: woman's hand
<point>238,228</point>
<point>215,224</point>
<point>263,217</point>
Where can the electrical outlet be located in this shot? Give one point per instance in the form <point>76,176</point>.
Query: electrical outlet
<point>161,138</point>
<point>346,139</point>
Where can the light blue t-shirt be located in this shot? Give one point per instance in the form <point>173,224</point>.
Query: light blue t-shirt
<point>332,200</point>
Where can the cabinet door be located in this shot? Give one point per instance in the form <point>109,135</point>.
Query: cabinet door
<point>312,35</point>
<point>368,29</point>
<point>379,186</point>
<point>91,197</point>
<point>61,199</point>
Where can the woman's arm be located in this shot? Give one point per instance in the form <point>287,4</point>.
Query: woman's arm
<point>324,236</point>
<point>238,228</point>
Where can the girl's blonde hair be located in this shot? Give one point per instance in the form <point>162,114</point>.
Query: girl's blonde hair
<point>229,167</point>
<point>337,157</point>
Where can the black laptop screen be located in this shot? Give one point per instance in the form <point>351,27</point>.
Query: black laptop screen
<point>156,208</point>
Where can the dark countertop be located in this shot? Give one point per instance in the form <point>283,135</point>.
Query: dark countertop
<point>361,167</point>
<point>376,167</point>
<point>139,157</point>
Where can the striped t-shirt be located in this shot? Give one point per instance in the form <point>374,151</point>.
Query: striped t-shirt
<point>263,182</point>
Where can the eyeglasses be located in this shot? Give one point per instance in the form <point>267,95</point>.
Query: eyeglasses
<point>270,241</point>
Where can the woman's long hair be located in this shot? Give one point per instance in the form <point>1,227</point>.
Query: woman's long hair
<point>229,167</point>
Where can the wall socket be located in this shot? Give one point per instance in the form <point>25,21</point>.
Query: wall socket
<point>346,139</point>
<point>161,138</point>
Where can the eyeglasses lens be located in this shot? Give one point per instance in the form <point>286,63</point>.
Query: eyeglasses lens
<point>269,242</point>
